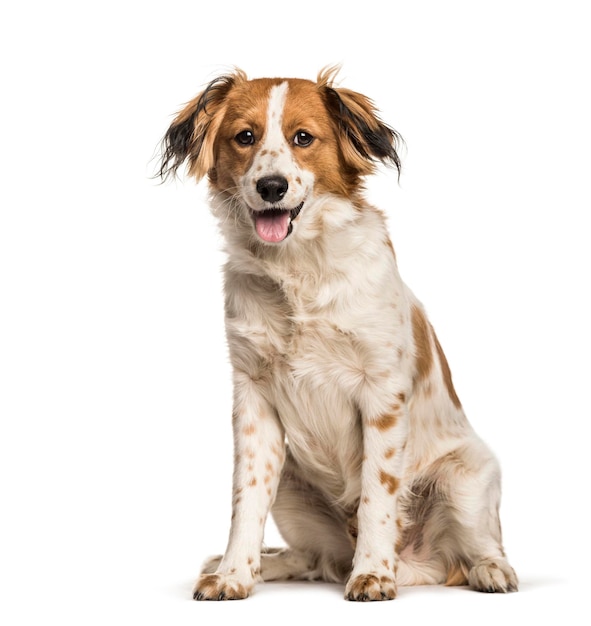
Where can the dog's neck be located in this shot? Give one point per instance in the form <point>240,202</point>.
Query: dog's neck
<point>316,258</point>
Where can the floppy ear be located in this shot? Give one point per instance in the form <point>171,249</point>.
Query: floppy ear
<point>364,138</point>
<point>191,136</point>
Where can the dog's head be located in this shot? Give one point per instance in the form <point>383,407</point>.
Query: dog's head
<point>271,147</point>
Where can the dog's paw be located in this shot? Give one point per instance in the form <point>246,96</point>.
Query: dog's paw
<point>369,587</point>
<point>493,576</point>
<point>221,587</point>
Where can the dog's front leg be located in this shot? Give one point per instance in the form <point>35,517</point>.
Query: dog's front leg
<point>259,453</point>
<point>375,561</point>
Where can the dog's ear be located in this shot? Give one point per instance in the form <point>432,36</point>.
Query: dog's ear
<point>192,134</point>
<point>364,138</point>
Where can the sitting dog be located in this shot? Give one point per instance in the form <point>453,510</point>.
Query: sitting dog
<point>346,423</point>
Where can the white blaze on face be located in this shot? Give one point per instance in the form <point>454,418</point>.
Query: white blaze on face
<point>275,158</point>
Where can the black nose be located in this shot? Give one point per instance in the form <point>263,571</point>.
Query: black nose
<point>272,188</point>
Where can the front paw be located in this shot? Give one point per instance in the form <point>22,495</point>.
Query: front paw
<point>369,587</point>
<point>221,587</point>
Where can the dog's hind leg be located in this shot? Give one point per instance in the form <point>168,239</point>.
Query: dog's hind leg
<point>468,480</point>
<point>276,564</point>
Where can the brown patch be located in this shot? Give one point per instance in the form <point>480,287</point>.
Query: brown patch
<point>252,482</point>
<point>457,575</point>
<point>365,500</point>
<point>249,429</point>
<point>390,452</point>
<point>250,560</point>
<point>423,354</point>
<point>386,421</point>
<point>390,482</point>
<point>401,396</point>
<point>446,373</point>
<point>386,563</point>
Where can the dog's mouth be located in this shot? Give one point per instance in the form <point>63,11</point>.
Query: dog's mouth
<point>275,225</point>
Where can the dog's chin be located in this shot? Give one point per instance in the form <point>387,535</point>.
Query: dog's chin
<point>274,225</point>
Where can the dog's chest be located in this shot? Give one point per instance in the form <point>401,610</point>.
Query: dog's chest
<point>306,361</point>
<point>311,389</point>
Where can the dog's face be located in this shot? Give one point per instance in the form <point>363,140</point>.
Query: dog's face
<point>272,147</point>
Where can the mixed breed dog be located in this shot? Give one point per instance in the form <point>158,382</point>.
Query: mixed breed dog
<point>347,427</point>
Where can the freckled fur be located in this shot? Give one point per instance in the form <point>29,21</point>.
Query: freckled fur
<point>346,422</point>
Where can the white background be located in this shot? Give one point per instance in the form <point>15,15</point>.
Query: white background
<point>115,442</point>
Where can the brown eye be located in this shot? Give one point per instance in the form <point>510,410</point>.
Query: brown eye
<point>245,138</point>
<point>303,139</point>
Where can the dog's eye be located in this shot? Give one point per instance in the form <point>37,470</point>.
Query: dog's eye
<point>245,138</point>
<point>302,138</point>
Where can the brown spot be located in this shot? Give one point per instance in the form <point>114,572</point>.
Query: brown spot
<point>386,563</point>
<point>423,353</point>
<point>269,492</point>
<point>446,373</point>
<point>390,452</point>
<point>249,429</point>
<point>250,560</point>
<point>390,482</point>
<point>386,421</point>
<point>252,482</point>
<point>365,500</point>
<point>401,396</point>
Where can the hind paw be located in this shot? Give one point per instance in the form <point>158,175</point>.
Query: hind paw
<point>493,576</point>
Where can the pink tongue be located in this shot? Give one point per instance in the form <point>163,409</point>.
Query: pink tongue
<point>272,226</point>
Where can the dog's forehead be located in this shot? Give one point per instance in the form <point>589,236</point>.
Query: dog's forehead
<point>252,96</point>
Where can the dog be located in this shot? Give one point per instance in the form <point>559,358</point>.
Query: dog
<point>346,423</point>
